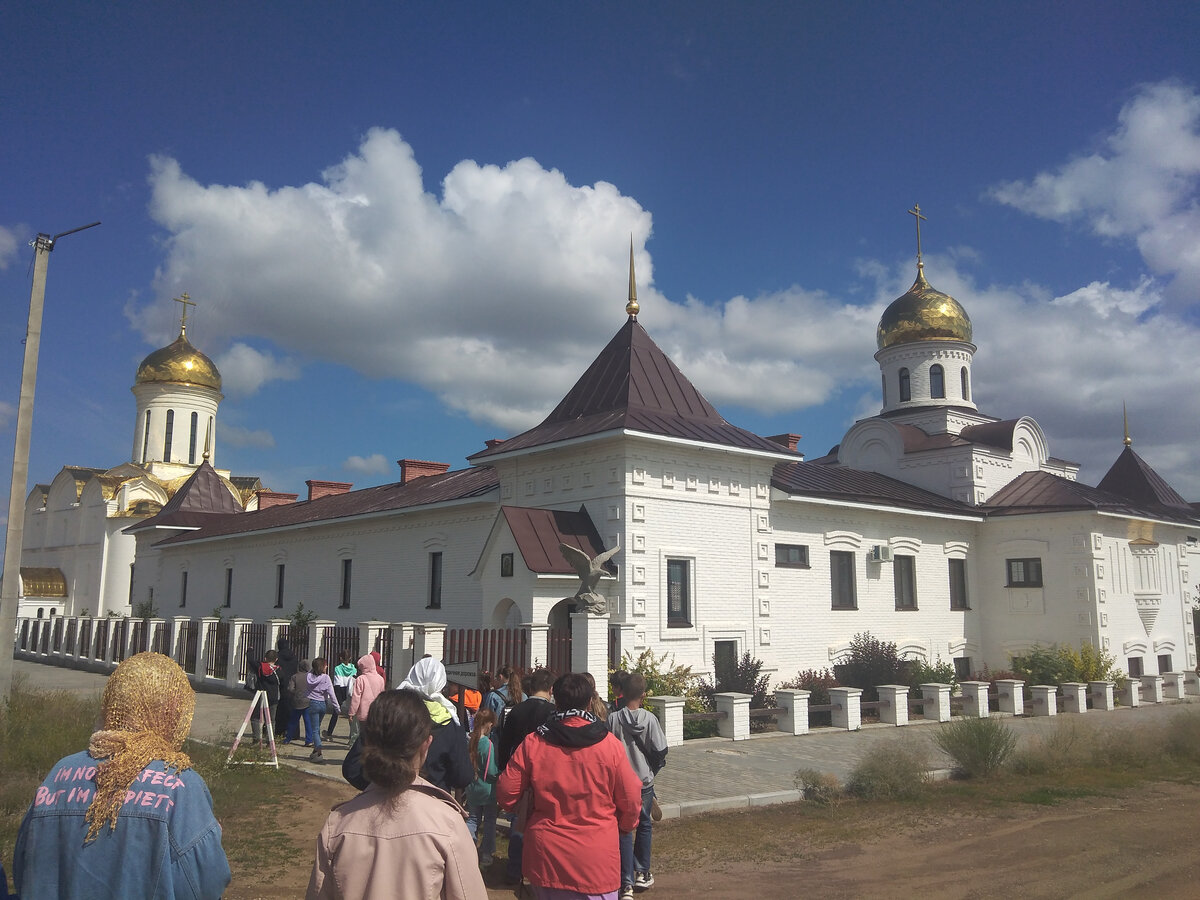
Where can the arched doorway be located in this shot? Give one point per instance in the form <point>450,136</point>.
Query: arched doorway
<point>558,638</point>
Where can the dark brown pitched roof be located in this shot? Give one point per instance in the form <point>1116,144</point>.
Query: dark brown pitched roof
<point>204,494</point>
<point>1046,492</point>
<point>813,479</point>
<point>459,485</point>
<point>1132,477</point>
<point>538,532</point>
<point>632,385</point>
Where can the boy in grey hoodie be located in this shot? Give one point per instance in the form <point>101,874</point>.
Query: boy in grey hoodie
<point>646,747</point>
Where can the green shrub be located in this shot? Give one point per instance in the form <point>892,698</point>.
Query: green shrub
<point>869,663</point>
<point>822,788</point>
<point>897,770</point>
<point>741,676</point>
<point>978,747</point>
<point>1063,747</point>
<point>1059,663</point>
<point>665,678</point>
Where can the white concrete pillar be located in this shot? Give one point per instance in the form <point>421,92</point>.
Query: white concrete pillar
<point>847,707</point>
<point>274,631</point>
<point>237,650</point>
<point>539,643</point>
<point>793,711</point>
<point>589,644</point>
<point>624,639</point>
<point>1131,693</point>
<point>1045,699</point>
<point>204,648</point>
<point>1102,695</point>
<point>1074,697</point>
<point>736,723</point>
<point>178,649</point>
<point>127,638</point>
<point>937,701</point>
<point>1173,685</point>
<point>429,638</point>
<point>975,699</point>
<point>669,711</point>
<point>404,650</point>
<point>316,636</point>
<point>155,627</point>
<point>1011,696</point>
<point>1152,688</point>
<point>895,698</point>
<point>1191,683</point>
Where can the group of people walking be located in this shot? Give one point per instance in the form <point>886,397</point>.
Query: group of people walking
<point>576,777</point>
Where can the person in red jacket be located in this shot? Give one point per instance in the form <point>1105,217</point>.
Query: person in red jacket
<point>583,793</point>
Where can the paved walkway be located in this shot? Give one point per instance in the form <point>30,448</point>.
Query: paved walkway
<point>702,775</point>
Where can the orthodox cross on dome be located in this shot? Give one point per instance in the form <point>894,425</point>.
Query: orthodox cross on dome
<point>916,212</point>
<point>632,306</point>
<point>186,301</point>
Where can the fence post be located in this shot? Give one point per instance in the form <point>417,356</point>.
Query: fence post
<point>277,626</point>
<point>1153,685</point>
<point>316,636</point>
<point>669,711</point>
<point>1011,696</point>
<point>404,651</point>
<point>624,632</point>
<point>736,723</point>
<point>895,696</point>
<point>1102,695</point>
<point>1045,699</point>
<point>539,643</point>
<point>589,644</point>
<point>1131,693</point>
<point>177,649</point>
<point>1173,685</point>
<point>204,648</point>
<point>153,627</point>
<point>793,711</point>
<point>1074,697</point>
<point>430,639</point>
<point>975,699</point>
<point>366,635</point>
<point>938,696</point>
<point>237,650</point>
<point>1191,683</point>
<point>847,708</point>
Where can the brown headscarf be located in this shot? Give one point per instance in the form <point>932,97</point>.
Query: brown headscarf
<point>148,705</point>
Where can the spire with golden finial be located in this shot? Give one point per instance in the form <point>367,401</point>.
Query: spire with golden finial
<point>632,306</point>
<point>207,440</point>
<point>185,301</point>
<point>1125,417</point>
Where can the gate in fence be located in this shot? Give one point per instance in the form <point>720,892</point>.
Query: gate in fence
<point>558,650</point>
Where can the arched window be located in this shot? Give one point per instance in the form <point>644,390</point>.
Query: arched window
<point>168,435</point>
<point>146,436</point>
<point>885,390</point>
<point>966,383</point>
<point>937,382</point>
<point>192,442</point>
<point>905,389</point>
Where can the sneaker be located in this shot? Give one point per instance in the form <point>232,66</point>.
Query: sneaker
<point>626,893</point>
<point>643,881</point>
<point>316,756</point>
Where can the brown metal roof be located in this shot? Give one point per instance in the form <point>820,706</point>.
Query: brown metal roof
<point>813,479</point>
<point>538,532</point>
<point>459,485</point>
<point>632,385</point>
<point>203,494</point>
<point>1132,477</point>
<point>1046,492</point>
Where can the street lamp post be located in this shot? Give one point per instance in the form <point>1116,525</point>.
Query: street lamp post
<point>11,581</point>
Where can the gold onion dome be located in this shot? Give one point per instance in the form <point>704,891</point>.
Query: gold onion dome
<point>180,363</point>
<point>922,314</point>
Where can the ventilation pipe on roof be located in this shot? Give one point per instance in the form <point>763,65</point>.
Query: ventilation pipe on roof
<point>412,469</point>
<point>318,489</point>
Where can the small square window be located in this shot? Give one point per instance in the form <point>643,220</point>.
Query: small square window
<point>1134,666</point>
<point>1164,663</point>
<point>1024,572</point>
<point>791,556</point>
<point>506,565</point>
<point>962,668</point>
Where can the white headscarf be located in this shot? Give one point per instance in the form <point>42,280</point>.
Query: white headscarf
<point>427,678</point>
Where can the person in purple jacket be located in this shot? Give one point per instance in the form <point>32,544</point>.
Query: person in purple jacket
<point>320,692</point>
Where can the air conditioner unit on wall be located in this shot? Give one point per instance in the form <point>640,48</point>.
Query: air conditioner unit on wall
<point>880,554</point>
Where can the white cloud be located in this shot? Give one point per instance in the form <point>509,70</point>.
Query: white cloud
<point>8,245</point>
<point>1143,183</point>
<point>236,436</point>
<point>7,412</point>
<point>375,464</point>
<point>244,369</point>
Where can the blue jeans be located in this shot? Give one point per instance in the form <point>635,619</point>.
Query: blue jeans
<point>635,848</point>
<point>516,844</point>
<point>312,721</point>
<point>485,817</point>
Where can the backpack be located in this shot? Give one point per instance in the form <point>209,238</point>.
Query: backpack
<point>508,704</point>
<point>251,683</point>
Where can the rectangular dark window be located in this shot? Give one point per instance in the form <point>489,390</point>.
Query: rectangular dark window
<point>1024,572</point>
<point>183,589</point>
<point>724,659</point>
<point>791,556</point>
<point>228,587</point>
<point>192,441</point>
<point>167,435</point>
<point>679,593</point>
<point>904,576</point>
<point>435,580</point>
<point>1164,663</point>
<point>1134,666</point>
<point>347,575</point>
<point>506,565</point>
<point>131,569</point>
<point>958,584</point>
<point>962,668</point>
<point>279,586</point>
<point>841,576</point>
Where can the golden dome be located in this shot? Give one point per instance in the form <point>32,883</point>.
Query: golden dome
<point>922,314</point>
<point>180,363</point>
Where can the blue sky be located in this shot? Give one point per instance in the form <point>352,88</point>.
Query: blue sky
<point>406,227</point>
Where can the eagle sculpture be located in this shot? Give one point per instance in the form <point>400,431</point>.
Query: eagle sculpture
<point>590,571</point>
